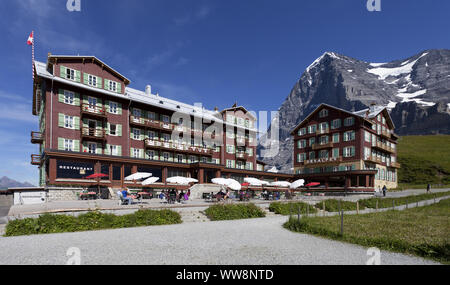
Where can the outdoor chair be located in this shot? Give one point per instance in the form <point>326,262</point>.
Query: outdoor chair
<point>122,200</point>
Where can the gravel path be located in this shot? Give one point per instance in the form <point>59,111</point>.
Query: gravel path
<point>244,242</point>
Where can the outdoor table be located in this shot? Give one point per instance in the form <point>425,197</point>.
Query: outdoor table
<point>142,194</point>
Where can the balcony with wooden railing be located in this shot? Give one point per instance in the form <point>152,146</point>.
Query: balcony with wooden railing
<point>150,123</point>
<point>177,147</point>
<point>241,155</point>
<point>93,110</point>
<point>318,146</point>
<point>93,134</point>
<point>395,165</point>
<point>373,159</point>
<point>384,147</point>
<point>37,137</point>
<point>35,159</point>
<point>322,132</point>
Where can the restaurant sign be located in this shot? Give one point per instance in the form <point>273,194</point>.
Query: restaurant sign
<point>70,169</point>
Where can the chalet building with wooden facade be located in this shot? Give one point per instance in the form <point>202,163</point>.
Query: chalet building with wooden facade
<point>350,151</point>
<point>90,121</point>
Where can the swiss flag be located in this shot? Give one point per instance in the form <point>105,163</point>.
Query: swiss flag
<point>30,39</point>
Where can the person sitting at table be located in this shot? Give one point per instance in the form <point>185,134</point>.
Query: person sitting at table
<point>125,194</point>
<point>180,196</point>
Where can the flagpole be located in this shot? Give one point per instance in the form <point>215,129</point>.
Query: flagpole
<point>32,54</point>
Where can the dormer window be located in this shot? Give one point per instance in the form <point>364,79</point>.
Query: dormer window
<point>323,113</point>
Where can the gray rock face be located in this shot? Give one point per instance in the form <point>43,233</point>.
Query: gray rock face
<point>416,89</point>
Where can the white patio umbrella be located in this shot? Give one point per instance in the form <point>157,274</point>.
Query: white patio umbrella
<point>138,176</point>
<point>230,183</point>
<point>179,180</point>
<point>150,181</point>
<point>253,181</point>
<point>297,184</point>
<point>234,185</point>
<point>192,180</point>
<point>281,184</point>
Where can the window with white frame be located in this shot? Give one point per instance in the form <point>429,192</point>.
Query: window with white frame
<point>349,151</point>
<point>336,124</point>
<point>68,145</point>
<point>92,80</point>
<point>336,137</point>
<point>136,112</point>
<point>113,150</point>
<point>349,136</point>
<point>70,74</point>
<point>136,153</point>
<point>367,136</point>
<point>92,148</point>
<point>112,130</point>
<point>166,156</point>
<point>166,119</point>
<point>68,122</point>
<point>302,132</point>
<point>136,134</point>
<point>323,113</point>
<point>112,86</point>
<point>312,129</point>
<point>113,107</point>
<point>69,97</point>
<point>350,121</point>
<point>179,158</point>
<point>151,115</point>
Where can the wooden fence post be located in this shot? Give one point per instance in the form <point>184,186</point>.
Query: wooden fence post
<point>357,207</point>
<point>377,207</point>
<point>299,213</point>
<point>342,223</point>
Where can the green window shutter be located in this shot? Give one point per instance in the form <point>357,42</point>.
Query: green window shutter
<point>77,76</point>
<point>85,147</point>
<point>85,123</point>
<point>86,78</point>
<point>108,127</point>
<point>131,151</point>
<point>119,130</point>
<point>76,146</point>
<point>107,150</point>
<point>119,88</point>
<point>63,72</point>
<point>85,99</point>
<point>99,103</point>
<point>99,82</point>
<point>108,110</point>
<point>146,155</point>
<point>119,150</point>
<point>61,95</point>
<point>76,122</point>
<point>99,148</point>
<point>353,151</point>
<point>119,109</point>
<point>60,144</point>
<point>106,84</point>
<point>61,120</point>
<point>76,99</point>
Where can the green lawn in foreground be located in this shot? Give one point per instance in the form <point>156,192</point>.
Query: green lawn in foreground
<point>421,231</point>
<point>424,159</point>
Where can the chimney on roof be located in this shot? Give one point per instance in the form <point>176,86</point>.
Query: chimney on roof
<point>235,105</point>
<point>372,107</point>
<point>49,54</point>
<point>216,109</point>
<point>148,90</point>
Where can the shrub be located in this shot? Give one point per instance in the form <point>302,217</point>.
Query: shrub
<point>291,208</point>
<point>332,205</point>
<point>48,223</point>
<point>234,212</point>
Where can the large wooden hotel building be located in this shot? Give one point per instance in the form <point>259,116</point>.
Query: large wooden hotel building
<point>92,122</point>
<point>356,151</point>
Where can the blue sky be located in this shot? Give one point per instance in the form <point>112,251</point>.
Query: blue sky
<point>214,52</point>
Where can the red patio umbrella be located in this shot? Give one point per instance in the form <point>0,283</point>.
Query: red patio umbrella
<point>97,175</point>
<point>312,184</point>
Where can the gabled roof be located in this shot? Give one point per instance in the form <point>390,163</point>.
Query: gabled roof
<point>364,114</point>
<point>235,108</point>
<point>55,58</point>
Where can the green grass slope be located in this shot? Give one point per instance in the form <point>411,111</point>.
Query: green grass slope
<point>424,159</point>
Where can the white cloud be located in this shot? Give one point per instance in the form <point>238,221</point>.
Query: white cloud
<point>17,112</point>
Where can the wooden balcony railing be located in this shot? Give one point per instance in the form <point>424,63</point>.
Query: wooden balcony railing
<point>37,137</point>
<point>154,124</point>
<point>322,132</point>
<point>373,159</point>
<point>318,146</point>
<point>182,148</point>
<point>94,110</point>
<point>35,159</point>
<point>384,147</point>
<point>91,133</point>
<point>242,155</point>
<point>395,165</point>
